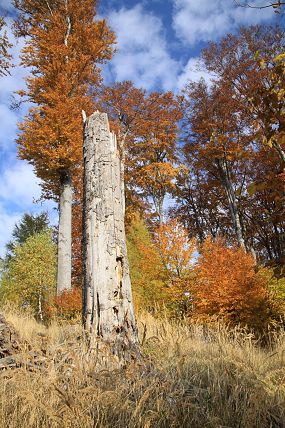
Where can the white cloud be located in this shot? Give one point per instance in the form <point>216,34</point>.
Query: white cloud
<point>19,189</point>
<point>7,223</point>
<point>8,86</point>
<point>14,81</point>
<point>8,121</point>
<point>19,185</point>
<point>192,71</point>
<point>199,21</point>
<point>142,50</point>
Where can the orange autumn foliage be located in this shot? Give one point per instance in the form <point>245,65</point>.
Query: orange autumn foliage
<point>227,287</point>
<point>147,128</point>
<point>64,46</point>
<point>68,304</point>
<point>175,248</point>
<point>176,252</point>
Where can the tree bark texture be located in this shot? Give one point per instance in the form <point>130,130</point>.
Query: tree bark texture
<point>107,299</point>
<point>233,205</point>
<point>64,234</point>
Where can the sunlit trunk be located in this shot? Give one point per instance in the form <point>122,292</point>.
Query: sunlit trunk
<point>232,201</point>
<point>64,234</point>
<point>107,299</point>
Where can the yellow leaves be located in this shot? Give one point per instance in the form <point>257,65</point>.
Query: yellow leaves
<point>31,273</point>
<point>147,272</point>
<point>280,94</point>
<point>262,64</point>
<point>256,55</point>
<point>279,57</point>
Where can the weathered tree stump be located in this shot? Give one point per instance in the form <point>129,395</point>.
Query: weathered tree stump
<point>107,299</point>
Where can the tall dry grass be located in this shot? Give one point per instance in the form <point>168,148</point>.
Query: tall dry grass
<point>189,378</point>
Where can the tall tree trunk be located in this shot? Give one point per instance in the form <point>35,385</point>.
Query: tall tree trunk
<point>279,151</point>
<point>107,299</point>
<point>158,205</point>
<point>64,233</point>
<point>233,206</point>
<point>40,308</point>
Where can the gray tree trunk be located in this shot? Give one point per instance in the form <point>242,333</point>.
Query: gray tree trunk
<point>107,299</point>
<point>64,234</point>
<point>233,205</point>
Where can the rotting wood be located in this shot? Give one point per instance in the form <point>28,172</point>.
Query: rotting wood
<point>107,299</point>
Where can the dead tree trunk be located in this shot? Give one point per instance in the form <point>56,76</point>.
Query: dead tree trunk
<point>107,299</point>
<point>64,234</point>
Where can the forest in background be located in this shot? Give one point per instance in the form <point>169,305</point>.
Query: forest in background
<point>204,171</point>
<point>204,185</point>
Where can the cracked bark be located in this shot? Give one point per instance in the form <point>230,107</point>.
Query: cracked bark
<point>107,299</point>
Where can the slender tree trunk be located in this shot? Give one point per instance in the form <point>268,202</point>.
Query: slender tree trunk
<point>280,152</point>
<point>64,233</point>
<point>107,299</point>
<point>233,206</point>
<point>40,309</point>
<point>158,205</point>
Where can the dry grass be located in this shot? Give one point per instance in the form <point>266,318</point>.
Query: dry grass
<point>189,379</point>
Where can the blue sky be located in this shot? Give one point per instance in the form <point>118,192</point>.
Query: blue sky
<point>158,46</point>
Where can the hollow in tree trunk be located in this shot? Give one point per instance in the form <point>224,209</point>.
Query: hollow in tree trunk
<point>107,299</point>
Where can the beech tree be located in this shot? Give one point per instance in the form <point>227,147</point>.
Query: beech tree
<point>217,137</point>
<point>153,155</point>
<point>64,44</point>
<point>29,278</point>
<point>175,248</point>
<point>237,296</point>
<point>147,271</point>
<point>252,62</point>
<point>199,204</point>
<point>146,125</point>
<point>263,206</point>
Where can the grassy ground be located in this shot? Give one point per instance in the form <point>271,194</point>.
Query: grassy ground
<point>187,380</point>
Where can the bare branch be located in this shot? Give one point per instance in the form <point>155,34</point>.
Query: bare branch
<point>273,5</point>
